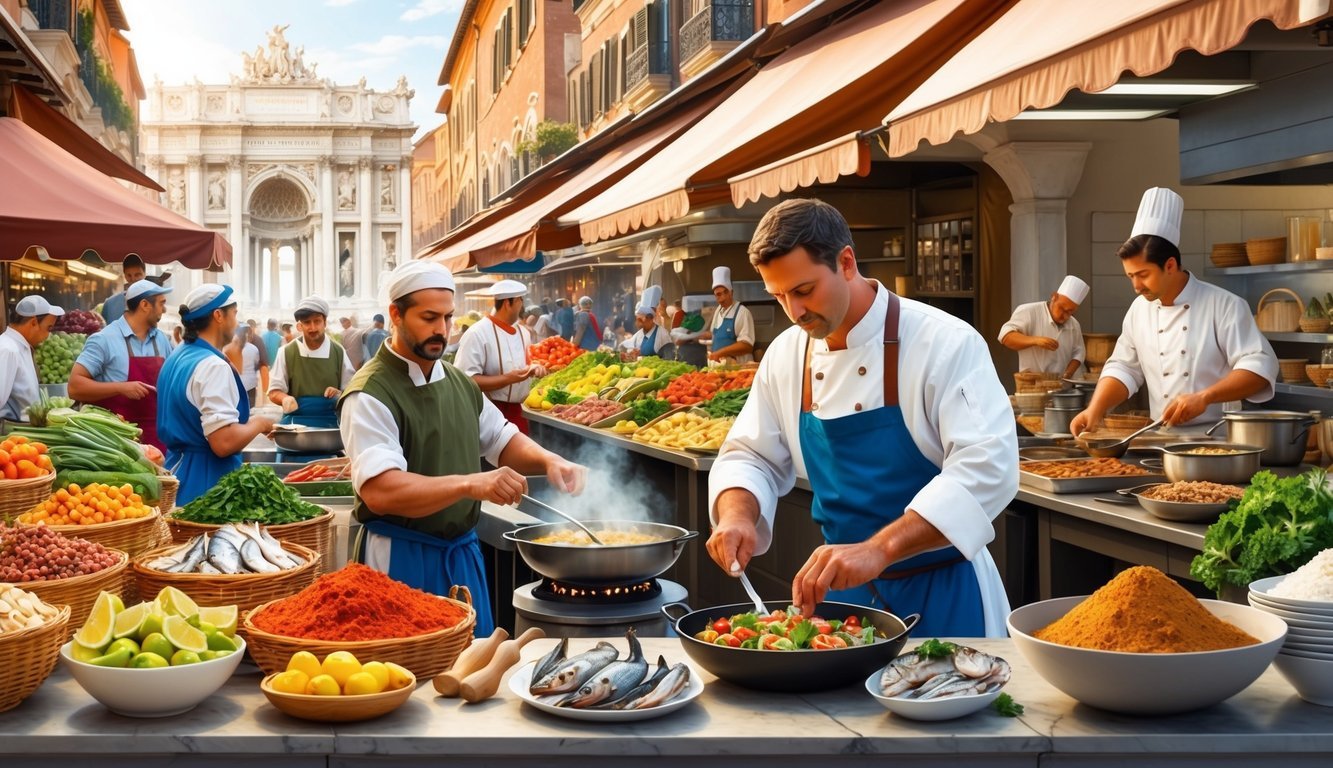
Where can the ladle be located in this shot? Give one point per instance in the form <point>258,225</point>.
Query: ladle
<point>1116,448</point>
<point>550,508</point>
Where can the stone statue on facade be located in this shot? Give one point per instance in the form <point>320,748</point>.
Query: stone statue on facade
<point>176,190</point>
<point>346,269</point>
<point>217,191</point>
<point>346,191</point>
<point>386,189</point>
<point>401,89</point>
<point>277,64</point>
<point>281,63</point>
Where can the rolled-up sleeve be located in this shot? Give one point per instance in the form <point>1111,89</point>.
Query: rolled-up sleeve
<point>471,354</point>
<point>745,325</point>
<point>1246,347</point>
<point>496,431</point>
<point>1080,351</point>
<point>371,438</point>
<point>212,389</point>
<point>1016,324</point>
<point>1124,365</point>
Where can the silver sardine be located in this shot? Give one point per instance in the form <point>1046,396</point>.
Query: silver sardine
<point>659,672</point>
<point>193,556</point>
<point>254,559</point>
<point>549,661</point>
<point>570,674</point>
<point>224,555</point>
<point>615,679</point>
<point>662,691</point>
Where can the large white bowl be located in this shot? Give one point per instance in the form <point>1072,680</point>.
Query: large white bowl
<point>1303,635</point>
<point>1308,646</point>
<point>948,708</point>
<point>1312,678</point>
<point>158,692</point>
<point>1262,589</point>
<point>1148,683</point>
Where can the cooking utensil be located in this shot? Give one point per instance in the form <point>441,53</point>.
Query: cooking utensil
<point>483,683</point>
<point>1180,465</point>
<point>790,671</point>
<point>1177,511</point>
<point>308,439</point>
<point>749,589</point>
<point>1114,449</point>
<point>609,564</point>
<point>552,509</point>
<point>1279,434</point>
<point>1048,453</point>
<point>1055,420</point>
<point>476,656</point>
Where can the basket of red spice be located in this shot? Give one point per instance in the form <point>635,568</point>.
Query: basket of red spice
<point>363,611</point>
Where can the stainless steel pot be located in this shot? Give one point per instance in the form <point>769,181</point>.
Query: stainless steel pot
<point>1056,420</point>
<point>613,564</point>
<point>309,440</point>
<point>1069,398</point>
<point>1181,466</point>
<point>1281,435</point>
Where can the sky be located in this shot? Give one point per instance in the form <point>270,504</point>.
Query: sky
<point>379,39</point>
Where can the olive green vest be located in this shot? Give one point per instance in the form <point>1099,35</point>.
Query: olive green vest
<point>310,376</point>
<point>438,428</point>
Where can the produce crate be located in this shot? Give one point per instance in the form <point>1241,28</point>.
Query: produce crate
<point>19,496</point>
<point>315,533</point>
<point>30,655</point>
<point>426,655</point>
<point>80,592</point>
<point>133,537</point>
<point>170,485</point>
<point>244,590</point>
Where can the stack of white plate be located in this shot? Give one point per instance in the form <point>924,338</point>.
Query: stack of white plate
<point>1306,658</point>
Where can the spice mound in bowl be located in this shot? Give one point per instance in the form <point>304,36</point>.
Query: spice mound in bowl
<point>1142,645</point>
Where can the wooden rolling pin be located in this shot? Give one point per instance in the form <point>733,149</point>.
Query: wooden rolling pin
<point>483,683</point>
<point>473,658</point>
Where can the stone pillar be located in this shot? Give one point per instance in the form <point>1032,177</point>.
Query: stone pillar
<point>326,253</point>
<point>275,296</point>
<point>194,189</point>
<point>1042,176</point>
<point>241,265</point>
<point>368,201</point>
<point>404,245</point>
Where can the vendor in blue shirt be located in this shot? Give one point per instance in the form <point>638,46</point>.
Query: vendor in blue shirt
<point>119,365</point>
<point>132,268</point>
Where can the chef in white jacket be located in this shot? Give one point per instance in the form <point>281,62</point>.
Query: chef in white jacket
<point>893,411</point>
<point>1192,344</point>
<point>1045,334</point>
<point>650,339</point>
<point>494,352</point>
<point>732,328</point>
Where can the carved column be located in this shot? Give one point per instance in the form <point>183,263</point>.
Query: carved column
<point>275,297</point>
<point>326,253</point>
<point>241,265</point>
<point>194,189</point>
<point>368,199</point>
<point>404,245</point>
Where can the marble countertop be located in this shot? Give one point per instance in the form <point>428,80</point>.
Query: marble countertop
<point>1268,719</point>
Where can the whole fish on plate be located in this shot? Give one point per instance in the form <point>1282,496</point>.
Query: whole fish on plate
<point>567,675</point>
<point>615,679</point>
<point>659,672</point>
<point>668,687</point>
<point>938,670</point>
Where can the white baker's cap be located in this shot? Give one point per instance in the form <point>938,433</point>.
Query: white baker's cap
<point>1073,289</point>
<point>722,277</point>
<point>507,289</point>
<point>313,303</point>
<point>652,296</point>
<point>418,275</point>
<point>201,301</point>
<point>1160,211</point>
<point>36,306</point>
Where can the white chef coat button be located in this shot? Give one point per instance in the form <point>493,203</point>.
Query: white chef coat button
<point>858,406</point>
<point>819,376</point>
<point>1159,330</point>
<point>1182,351</point>
<point>1185,328</point>
<point>861,370</point>
<point>1187,306</point>
<point>1186,374</point>
<point>814,406</point>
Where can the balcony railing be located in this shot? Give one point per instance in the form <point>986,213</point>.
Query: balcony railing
<point>651,59</point>
<point>719,21</point>
<point>53,14</point>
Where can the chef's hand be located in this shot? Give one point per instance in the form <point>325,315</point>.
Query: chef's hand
<point>1085,421</point>
<point>332,392</point>
<point>264,423</point>
<point>733,539</point>
<point>1045,342</point>
<point>289,404</point>
<point>566,476</point>
<point>537,371</point>
<point>1185,408</point>
<point>836,566</point>
<point>135,390</point>
<point>499,486</point>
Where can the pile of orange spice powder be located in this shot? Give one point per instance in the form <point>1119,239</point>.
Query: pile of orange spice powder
<point>358,603</point>
<point>1143,611</point>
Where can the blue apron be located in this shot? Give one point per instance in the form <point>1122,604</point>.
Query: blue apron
<point>591,339</point>
<point>865,469</point>
<point>724,335</point>
<point>311,411</point>
<point>189,455</point>
<point>648,347</point>
<point>433,564</point>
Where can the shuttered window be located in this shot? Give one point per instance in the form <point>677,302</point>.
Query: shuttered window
<point>527,19</point>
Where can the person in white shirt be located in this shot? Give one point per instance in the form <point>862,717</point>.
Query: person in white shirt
<point>1045,334</point>
<point>650,339</point>
<point>351,340</point>
<point>494,352</point>
<point>893,411</point>
<point>311,371</point>
<point>29,325</point>
<point>1193,345</point>
<point>732,326</point>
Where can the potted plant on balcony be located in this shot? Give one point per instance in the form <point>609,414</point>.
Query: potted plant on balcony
<point>551,140</point>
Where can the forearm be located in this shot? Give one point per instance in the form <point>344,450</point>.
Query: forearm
<point>233,438</point>
<point>735,350</point>
<point>276,396</point>
<point>492,383</point>
<point>908,536</point>
<point>736,504</point>
<point>263,379</point>
<point>1110,392</point>
<point>1017,341</point>
<point>1237,385</point>
<point>523,455</point>
<point>1072,367</point>
<point>407,494</point>
<point>85,389</point>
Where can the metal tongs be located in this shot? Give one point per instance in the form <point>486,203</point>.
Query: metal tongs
<point>570,518</point>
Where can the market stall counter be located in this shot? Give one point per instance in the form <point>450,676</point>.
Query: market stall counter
<point>726,726</point>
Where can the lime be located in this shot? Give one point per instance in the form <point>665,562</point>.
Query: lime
<point>148,661</point>
<point>323,685</point>
<point>221,616</point>
<point>360,684</point>
<point>340,665</point>
<point>120,658</point>
<point>206,627</point>
<point>180,658</point>
<point>124,642</point>
<point>183,636</point>
<point>152,621</point>
<point>208,655</point>
<point>131,619</point>
<point>291,681</point>
<point>305,661</point>
<point>86,655</point>
<point>177,603</point>
<point>99,629</point>
<point>158,643</point>
<point>377,670</point>
<point>220,642</point>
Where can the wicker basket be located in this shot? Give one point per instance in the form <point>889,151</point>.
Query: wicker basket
<point>133,537</point>
<point>1318,374</point>
<point>1279,316</point>
<point>1314,324</point>
<point>80,592</point>
<point>315,533</point>
<point>1292,370</point>
<point>1030,381</point>
<point>19,496</point>
<point>1230,255</point>
<point>244,590</point>
<point>167,498</point>
<point>1270,250</point>
<point>426,655</point>
<point>29,656</point>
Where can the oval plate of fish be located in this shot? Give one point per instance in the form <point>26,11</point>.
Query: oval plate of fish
<point>597,685</point>
<point>939,681</point>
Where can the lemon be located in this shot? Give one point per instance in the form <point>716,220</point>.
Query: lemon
<point>158,643</point>
<point>306,662</point>
<point>124,642</point>
<point>220,642</point>
<point>116,601</point>
<point>323,685</point>
<point>185,637</point>
<point>340,665</point>
<point>120,658</point>
<point>149,661</point>
<point>177,603</point>
<point>86,655</point>
<point>377,670</point>
<point>291,681</point>
<point>398,676</point>
<point>360,684</point>
<point>131,619</point>
<point>221,616</point>
<point>99,630</point>
<point>181,658</point>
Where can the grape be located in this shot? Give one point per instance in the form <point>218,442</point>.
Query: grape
<point>55,357</point>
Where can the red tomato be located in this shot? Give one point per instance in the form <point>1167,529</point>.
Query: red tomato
<point>722,626</point>
<point>824,627</point>
<point>744,633</point>
<point>827,642</point>
<point>852,621</point>
<point>778,616</point>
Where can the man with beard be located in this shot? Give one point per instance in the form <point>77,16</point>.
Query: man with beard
<point>416,430</point>
<point>311,371</point>
<point>119,365</point>
<point>1045,334</point>
<point>205,416</point>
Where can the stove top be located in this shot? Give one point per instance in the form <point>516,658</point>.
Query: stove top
<point>533,601</point>
<point>583,594</point>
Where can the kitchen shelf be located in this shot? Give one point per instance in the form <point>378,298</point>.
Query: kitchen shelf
<point>1289,267</point>
<point>1304,390</point>
<point>1307,338</point>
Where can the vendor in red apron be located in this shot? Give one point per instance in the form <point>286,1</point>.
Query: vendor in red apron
<point>204,414</point>
<point>416,430</point>
<point>310,371</point>
<point>893,411</point>
<point>119,365</point>
<point>494,352</point>
<point>732,327</point>
<point>649,339</point>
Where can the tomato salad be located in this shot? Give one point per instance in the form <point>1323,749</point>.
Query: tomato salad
<point>789,631</point>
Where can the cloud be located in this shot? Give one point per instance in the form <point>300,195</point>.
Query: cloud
<point>424,9</point>
<point>168,43</point>
<point>391,44</point>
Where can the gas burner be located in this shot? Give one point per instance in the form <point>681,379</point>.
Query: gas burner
<point>605,594</point>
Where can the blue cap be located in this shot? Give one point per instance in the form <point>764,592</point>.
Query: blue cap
<point>145,288</point>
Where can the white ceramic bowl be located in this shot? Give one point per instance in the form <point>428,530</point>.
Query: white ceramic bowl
<point>153,692</point>
<point>931,709</point>
<point>1312,678</point>
<point>1148,683</point>
<point>1304,635</point>
<point>1262,591</point>
<point>1309,646</point>
<point>1306,654</point>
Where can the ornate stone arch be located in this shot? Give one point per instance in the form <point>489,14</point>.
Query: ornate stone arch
<point>285,173</point>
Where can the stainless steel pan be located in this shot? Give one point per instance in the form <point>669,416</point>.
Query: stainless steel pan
<point>607,564</point>
<point>1218,468</point>
<point>309,440</point>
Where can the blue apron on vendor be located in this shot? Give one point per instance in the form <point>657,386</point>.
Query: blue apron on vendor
<point>857,492</point>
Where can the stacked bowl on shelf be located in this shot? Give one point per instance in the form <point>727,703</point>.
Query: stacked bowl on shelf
<point>1306,657</point>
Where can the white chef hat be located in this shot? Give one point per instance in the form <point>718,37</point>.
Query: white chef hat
<point>507,289</point>
<point>1159,214</point>
<point>585,301</point>
<point>652,295</point>
<point>722,277</point>
<point>418,275</point>
<point>203,300</point>
<point>313,303</point>
<point>36,306</point>
<point>1073,289</point>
